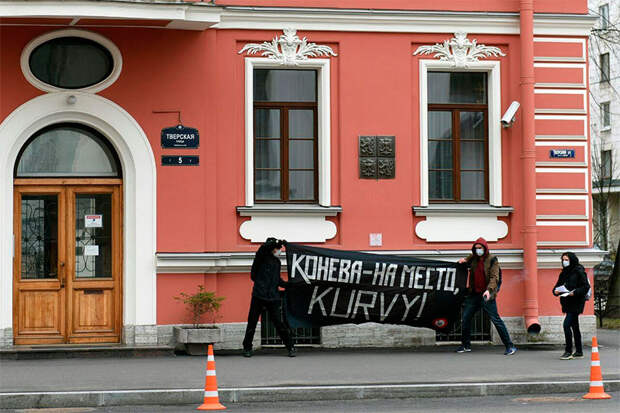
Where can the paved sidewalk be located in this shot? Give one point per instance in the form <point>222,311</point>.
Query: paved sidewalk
<point>361,369</point>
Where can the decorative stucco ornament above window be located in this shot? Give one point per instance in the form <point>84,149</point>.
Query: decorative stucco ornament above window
<point>288,49</point>
<point>460,50</point>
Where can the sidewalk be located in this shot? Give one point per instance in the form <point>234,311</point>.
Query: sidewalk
<point>313,374</point>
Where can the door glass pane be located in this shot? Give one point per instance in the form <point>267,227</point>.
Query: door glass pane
<point>93,235</point>
<point>39,238</point>
<point>300,123</point>
<point>301,154</point>
<point>67,150</point>
<point>457,87</point>
<point>267,153</point>
<point>301,185</point>
<point>440,154</point>
<point>267,123</point>
<point>284,85</point>
<point>267,185</point>
<point>472,155</point>
<point>472,186</point>
<point>472,125</point>
<point>440,185</point>
<point>439,125</point>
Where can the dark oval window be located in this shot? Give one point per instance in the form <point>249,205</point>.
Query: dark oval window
<point>66,150</point>
<point>71,62</point>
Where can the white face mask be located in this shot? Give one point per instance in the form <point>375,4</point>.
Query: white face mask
<point>276,253</point>
<point>565,263</point>
<point>480,252</point>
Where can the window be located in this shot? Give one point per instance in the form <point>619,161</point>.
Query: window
<point>457,137</point>
<point>606,163</point>
<point>605,115</point>
<point>67,150</point>
<point>604,65</point>
<point>603,11</point>
<point>285,136</point>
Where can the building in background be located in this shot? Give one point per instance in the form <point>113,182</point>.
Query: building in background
<point>604,48</point>
<point>149,147</point>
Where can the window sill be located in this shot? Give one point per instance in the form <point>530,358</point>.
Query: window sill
<point>605,129</point>
<point>462,210</point>
<point>288,209</point>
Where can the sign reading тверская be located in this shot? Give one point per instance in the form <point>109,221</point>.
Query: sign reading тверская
<point>180,137</point>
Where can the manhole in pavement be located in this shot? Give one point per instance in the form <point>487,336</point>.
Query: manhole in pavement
<point>59,410</point>
<point>547,399</point>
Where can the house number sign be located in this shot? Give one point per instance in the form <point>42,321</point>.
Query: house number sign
<point>179,160</point>
<point>180,137</point>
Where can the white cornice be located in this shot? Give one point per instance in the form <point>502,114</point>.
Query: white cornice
<point>200,16</point>
<point>240,262</point>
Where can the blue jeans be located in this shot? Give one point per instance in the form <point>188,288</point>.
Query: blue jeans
<point>473,303</point>
<point>571,322</point>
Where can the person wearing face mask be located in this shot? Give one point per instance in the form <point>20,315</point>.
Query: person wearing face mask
<point>482,289</point>
<point>265,273</point>
<point>572,298</point>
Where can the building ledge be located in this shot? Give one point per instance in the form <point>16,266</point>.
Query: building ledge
<point>288,209</point>
<point>462,210</point>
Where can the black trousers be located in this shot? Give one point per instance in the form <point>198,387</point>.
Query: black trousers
<point>571,322</point>
<point>273,308</point>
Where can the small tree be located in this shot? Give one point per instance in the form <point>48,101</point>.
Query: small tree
<point>201,303</point>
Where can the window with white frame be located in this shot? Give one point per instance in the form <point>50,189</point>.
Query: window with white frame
<point>604,65</point>
<point>603,12</point>
<point>606,163</point>
<point>605,115</point>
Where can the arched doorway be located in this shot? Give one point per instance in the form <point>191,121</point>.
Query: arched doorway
<point>67,270</point>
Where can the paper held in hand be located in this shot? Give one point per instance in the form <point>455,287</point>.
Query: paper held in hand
<point>563,291</point>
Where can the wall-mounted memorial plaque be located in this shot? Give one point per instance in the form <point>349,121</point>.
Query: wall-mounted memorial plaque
<point>179,160</point>
<point>180,137</point>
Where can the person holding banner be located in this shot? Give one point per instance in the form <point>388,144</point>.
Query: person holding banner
<point>483,285</point>
<point>572,287</point>
<point>265,273</point>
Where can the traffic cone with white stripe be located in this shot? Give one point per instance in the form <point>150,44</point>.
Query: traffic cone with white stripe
<point>212,399</point>
<point>596,377</point>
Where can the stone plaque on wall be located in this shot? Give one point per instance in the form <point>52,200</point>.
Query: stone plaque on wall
<point>377,157</point>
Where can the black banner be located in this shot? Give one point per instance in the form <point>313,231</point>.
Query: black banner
<point>336,287</point>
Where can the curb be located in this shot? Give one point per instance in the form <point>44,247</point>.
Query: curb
<point>290,393</point>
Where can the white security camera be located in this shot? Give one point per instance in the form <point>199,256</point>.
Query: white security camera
<point>509,117</point>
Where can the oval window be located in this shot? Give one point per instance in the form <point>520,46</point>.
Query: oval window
<point>65,150</point>
<point>71,62</point>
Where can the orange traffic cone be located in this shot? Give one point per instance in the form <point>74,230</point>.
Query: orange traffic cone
<point>212,399</point>
<point>596,377</point>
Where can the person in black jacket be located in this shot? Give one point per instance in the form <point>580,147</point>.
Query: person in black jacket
<point>266,276</point>
<point>573,298</point>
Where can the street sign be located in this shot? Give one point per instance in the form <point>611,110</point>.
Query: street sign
<point>180,137</point>
<point>562,153</point>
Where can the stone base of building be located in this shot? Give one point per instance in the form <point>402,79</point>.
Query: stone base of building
<point>551,330</point>
<point>375,335</point>
<point>6,337</point>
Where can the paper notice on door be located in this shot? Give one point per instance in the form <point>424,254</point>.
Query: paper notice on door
<point>92,250</point>
<point>93,221</point>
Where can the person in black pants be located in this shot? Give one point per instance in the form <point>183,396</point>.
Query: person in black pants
<point>266,276</point>
<point>575,285</point>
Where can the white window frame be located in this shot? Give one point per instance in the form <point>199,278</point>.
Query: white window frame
<point>603,11</point>
<point>492,67</point>
<point>322,66</point>
<point>603,125</point>
<point>95,37</point>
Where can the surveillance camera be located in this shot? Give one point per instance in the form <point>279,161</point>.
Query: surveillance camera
<point>509,117</point>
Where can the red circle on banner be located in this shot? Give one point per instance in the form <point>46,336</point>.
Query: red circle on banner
<point>440,322</point>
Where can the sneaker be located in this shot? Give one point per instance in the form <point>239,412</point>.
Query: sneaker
<point>247,353</point>
<point>577,355</point>
<point>463,349</point>
<point>292,352</point>
<point>510,351</point>
<point>566,356</point>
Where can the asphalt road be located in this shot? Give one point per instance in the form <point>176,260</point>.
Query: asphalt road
<point>564,403</point>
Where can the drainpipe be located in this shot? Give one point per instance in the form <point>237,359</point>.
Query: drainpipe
<point>528,165</point>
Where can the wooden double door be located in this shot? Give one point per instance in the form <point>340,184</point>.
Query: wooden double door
<point>67,270</point>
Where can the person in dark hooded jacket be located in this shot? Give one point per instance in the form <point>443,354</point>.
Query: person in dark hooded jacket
<point>265,273</point>
<point>574,280</point>
<point>482,289</point>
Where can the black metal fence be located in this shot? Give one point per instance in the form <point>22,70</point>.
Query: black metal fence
<point>480,329</point>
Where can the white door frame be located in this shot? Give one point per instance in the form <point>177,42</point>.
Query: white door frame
<point>139,200</point>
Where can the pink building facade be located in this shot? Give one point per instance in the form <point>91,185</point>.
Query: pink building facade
<point>329,123</point>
